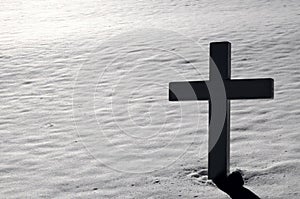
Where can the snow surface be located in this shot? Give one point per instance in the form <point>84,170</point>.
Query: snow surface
<point>84,97</point>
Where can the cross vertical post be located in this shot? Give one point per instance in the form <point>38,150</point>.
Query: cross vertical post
<point>219,150</point>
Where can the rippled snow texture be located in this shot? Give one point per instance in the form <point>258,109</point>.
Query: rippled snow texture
<point>84,97</point>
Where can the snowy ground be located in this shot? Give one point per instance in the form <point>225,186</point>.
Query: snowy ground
<point>84,97</point>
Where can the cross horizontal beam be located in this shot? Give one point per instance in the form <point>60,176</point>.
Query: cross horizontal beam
<point>235,89</point>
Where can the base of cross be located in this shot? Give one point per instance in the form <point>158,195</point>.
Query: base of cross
<point>233,186</point>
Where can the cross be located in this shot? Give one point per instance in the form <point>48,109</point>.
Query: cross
<point>236,89</point>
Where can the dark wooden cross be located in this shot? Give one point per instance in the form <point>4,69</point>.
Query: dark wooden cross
<point>220,65</point>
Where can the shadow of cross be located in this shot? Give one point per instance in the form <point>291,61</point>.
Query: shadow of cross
<point>220,65</point>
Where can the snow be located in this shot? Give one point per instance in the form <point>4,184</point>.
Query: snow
<point>84,97</point>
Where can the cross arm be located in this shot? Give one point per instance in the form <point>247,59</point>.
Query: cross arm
<point>249,88</point>
<point>235,89</point>
<point>186,91</point>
